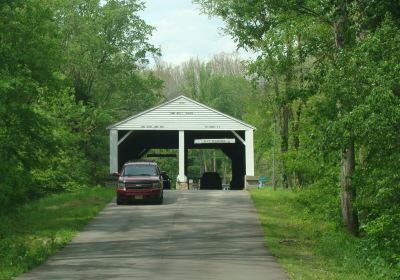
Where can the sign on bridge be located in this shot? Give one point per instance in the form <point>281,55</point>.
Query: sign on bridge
<point>215,141</point>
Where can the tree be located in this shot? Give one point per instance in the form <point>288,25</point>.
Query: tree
<point>28,59</point>
<point>340,27</point>
<point>67,70</point>
<point>105,50</point>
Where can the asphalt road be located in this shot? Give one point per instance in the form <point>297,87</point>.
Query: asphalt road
<point>211,235</point>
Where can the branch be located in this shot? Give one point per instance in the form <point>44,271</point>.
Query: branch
<point>312,13</point>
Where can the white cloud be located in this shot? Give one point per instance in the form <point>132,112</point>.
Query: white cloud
<point>183,32</point>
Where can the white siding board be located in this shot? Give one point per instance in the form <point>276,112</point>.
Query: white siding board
<point>182,113</point>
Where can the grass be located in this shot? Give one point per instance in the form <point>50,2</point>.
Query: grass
<point>309,247</point>
<point>32,233</point>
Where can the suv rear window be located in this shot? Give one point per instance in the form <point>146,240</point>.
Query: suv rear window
<point>140,170</point>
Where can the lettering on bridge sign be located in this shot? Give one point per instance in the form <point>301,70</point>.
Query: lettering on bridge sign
<point>215,141</point>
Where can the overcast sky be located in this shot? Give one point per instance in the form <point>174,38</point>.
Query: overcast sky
<point>183,32</point>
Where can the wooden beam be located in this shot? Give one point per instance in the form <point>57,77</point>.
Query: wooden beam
<point>162,155</point>
<point>238,137</point>
<point>125,136</point>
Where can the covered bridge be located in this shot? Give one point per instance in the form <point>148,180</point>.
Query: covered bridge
<point>183,124</point>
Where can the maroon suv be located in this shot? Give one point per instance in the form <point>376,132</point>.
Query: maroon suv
<point>138,181</point>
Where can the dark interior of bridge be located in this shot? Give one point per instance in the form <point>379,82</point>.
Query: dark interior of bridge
<point>138,143</point>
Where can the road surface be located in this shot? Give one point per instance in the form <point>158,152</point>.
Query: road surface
<point>210,235</point>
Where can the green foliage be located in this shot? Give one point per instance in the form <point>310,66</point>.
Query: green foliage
<point>23,72</point>
<point>68,168</point>
<point>30,234</point>
<point>326,77</point>
<point>328,72</point>
<point>227,94</point>
<point>322,197</point>
<point>309,245</point>
<point>364,83</point>
<point>67,71</point>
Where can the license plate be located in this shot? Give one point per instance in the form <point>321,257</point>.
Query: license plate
<point>138,196</point>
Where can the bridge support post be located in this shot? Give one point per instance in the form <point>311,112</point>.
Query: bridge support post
<point>249,153</point>
<point>113,151</point>
<point>181,182</point>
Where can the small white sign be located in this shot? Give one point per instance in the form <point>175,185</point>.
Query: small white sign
<point>215,141</point>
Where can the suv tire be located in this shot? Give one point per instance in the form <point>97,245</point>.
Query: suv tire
<point>120,201</point>
<point>161,199</point>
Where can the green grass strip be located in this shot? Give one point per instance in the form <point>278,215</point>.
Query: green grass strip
<point>309,247</point>
<point>32,233</point>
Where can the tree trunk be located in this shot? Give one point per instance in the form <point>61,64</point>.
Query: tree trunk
<point>205,162</point>
<point>285,144</point>
<point>348,191</point>
<point>273,154</point>
<point>296,124</point>
<point>225,177</point>
<point>277,118</point>
<point>296,143</point>
<point>286,115</point>
<point>214,162</point>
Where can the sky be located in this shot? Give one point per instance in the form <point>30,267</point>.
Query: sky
<point>183,32</point>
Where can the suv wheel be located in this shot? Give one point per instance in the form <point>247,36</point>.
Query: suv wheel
<point>160,200</point>
<point>120,201</point>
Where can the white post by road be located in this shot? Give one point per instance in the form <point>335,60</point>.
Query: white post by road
<point>249,153</point>
<point>113,151</point>
<point>181,175</point>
